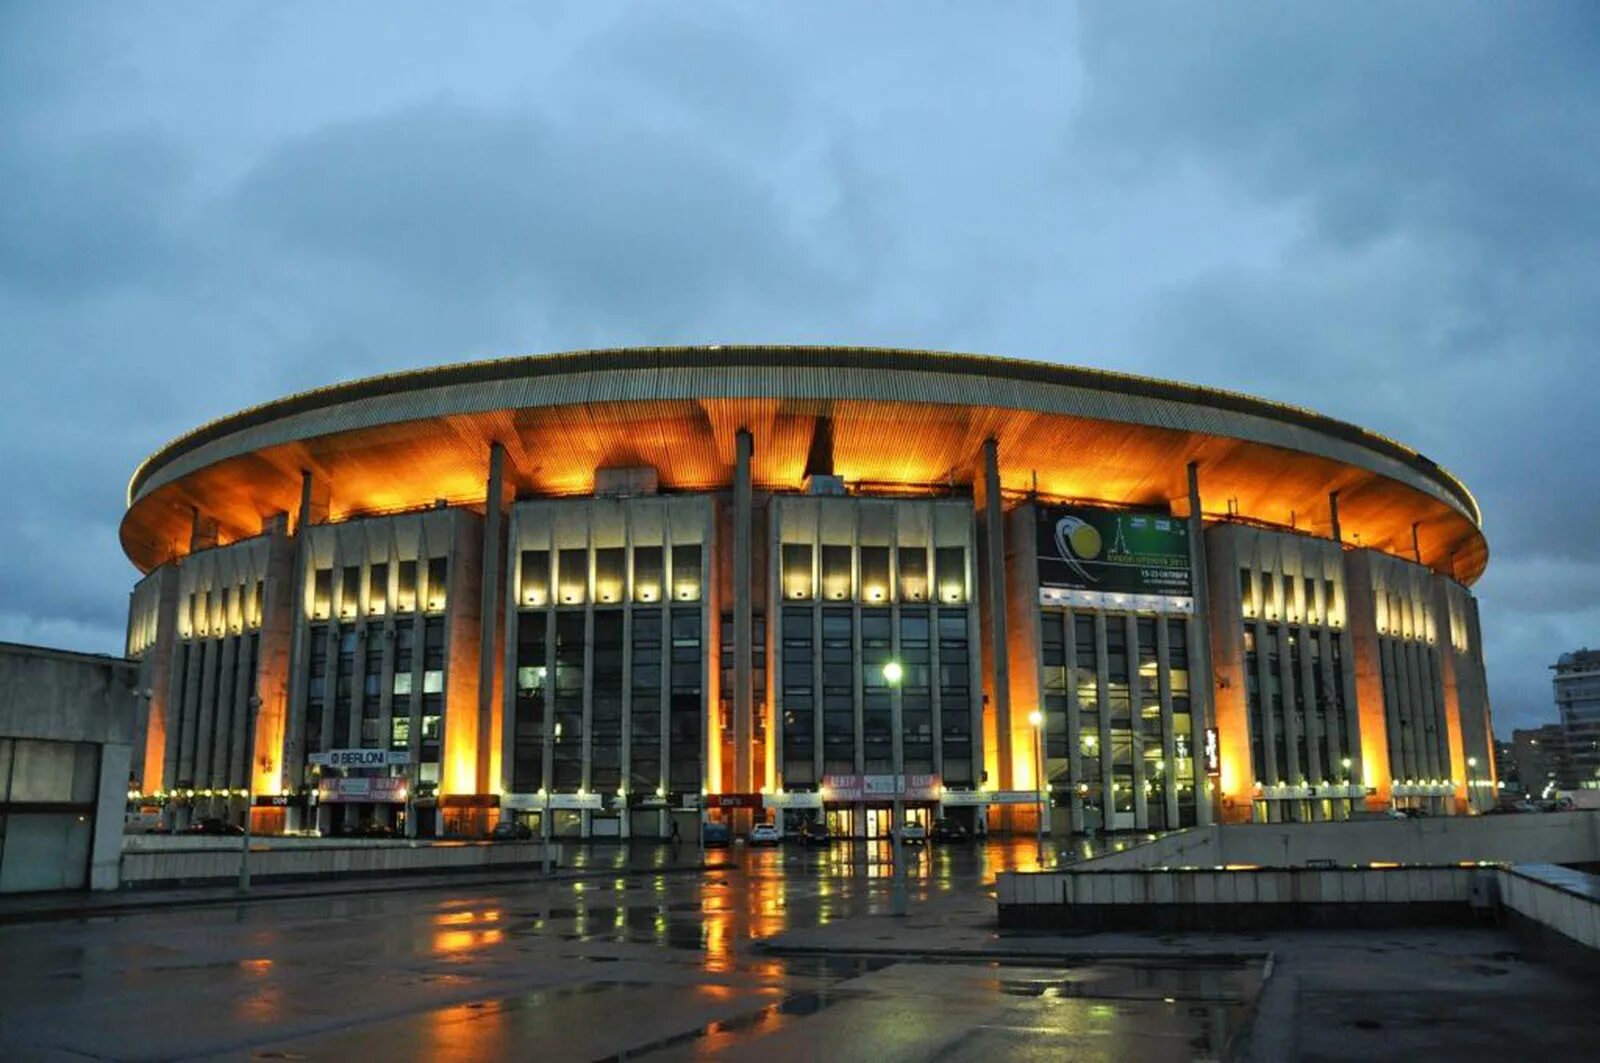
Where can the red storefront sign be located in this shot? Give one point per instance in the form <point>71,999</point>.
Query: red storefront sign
<point>733,801</point>
<point>881,788</point>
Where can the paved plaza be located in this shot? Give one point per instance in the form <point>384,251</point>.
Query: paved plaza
<point>780,954</point>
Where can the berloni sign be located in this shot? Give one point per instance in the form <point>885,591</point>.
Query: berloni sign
<point>361,758</point>
<point>1116,551</point>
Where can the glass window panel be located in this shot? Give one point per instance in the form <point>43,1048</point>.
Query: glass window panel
<point>913,562</point>
<point>797,575</point>
<point>875,573</point>
<point>647,573</point>
<point>950,573</point>
<point>535,586</point>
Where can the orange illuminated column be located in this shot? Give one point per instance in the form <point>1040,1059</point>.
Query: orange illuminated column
<point>272,679</point>
<point>710,665</point>
<point>463,630</point>
<point>155,745</point>
<point>1360,610</point>
<point>1022,648</point>
<point>1230,709</point>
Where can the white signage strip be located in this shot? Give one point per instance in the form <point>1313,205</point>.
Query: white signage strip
<point>575,802</point>
<point>953,798</point>
<point>794,800</point>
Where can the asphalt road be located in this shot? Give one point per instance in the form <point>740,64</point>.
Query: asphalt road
<point>642,964</point>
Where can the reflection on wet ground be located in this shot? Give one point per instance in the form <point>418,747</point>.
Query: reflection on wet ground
<point>655,962</point>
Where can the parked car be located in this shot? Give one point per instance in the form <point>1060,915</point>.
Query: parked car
<point>714,835</point>
<point>913,834</point>
<point>371,828</point>
<point>215,827</point>
<point>950,830</point>
<point>764,834</point>
<point>815,832</point>
<point>509,830</point>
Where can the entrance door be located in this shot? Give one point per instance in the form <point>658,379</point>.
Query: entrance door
<point>879,822</point>
<point>841,822</point>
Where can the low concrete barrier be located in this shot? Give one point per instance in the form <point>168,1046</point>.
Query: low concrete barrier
<point>1558,907</point>
<point>192,842</point>
<point>1557,837</point>
<point>1255,899</point>
<point>328,860</point>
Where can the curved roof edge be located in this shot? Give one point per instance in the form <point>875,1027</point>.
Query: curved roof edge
<point>738,355</point>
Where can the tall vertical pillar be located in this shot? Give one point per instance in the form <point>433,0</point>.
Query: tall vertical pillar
<point>1333,515</point>
<point>488,642</point>
<point>743,614</point>
<point>1201,687</point>
<point>315,498</point>
<point>995,600</point>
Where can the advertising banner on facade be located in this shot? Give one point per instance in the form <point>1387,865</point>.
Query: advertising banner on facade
<point>1116,551</point>
<point>1213,753</point>
<point>881,787</point>
<point>344,791</point>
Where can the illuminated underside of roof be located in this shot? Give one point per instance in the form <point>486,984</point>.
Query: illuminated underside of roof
<point>899,419</point>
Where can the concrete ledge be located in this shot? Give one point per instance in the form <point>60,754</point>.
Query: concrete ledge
<point>1556,910</point>
<point>208,865</point>
<point>1244,899</point>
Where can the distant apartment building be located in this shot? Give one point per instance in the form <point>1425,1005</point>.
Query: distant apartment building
<point>1541,760</point>
<point>1577,686</point>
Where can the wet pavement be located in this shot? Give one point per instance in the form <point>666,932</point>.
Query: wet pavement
<point>641,960</point>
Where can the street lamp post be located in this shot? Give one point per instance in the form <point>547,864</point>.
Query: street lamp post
<point>1472,779</point>
<point>1036,718</point>
<point>249,788</point>
<point>899,902</point>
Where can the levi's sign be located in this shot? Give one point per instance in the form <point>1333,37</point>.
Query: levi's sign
<point>361,758</point>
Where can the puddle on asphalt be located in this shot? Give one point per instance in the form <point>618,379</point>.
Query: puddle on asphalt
<point>1142,1010</point>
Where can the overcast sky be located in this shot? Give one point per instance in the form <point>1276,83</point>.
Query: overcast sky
<point>1389,212</point>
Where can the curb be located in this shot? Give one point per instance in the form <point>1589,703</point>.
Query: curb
<point>222,899</point>
<point>1012,956</point>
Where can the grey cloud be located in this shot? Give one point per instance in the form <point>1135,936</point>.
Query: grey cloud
<point>95,214</point>
<point>453,198</point>
<point>1382,212</point>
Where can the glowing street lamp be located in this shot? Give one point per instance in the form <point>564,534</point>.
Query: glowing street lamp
<point>1036,718</point>
<point>893,673</point>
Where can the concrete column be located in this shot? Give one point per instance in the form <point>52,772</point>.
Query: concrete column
<point>489,615</point>
<point>314,500</point>
<point>743,615</point>
<point>1200,680</point>
<point>1333,515</point>
<point>995,596</point>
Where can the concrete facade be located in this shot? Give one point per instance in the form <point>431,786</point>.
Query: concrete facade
<point>538,592</point>
<point>67,725</point>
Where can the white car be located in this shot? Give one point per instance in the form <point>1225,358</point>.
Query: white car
<point>764,834</point>
<point>913,834</point>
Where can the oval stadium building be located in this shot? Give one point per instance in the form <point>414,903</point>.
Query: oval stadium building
<point>607,593</point>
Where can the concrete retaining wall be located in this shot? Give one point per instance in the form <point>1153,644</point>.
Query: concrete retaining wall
<point>1557,838</point>
<point>201,865</point>
<point>167,843</point>
<point>1243,900</point>
<point>1551,900</point>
